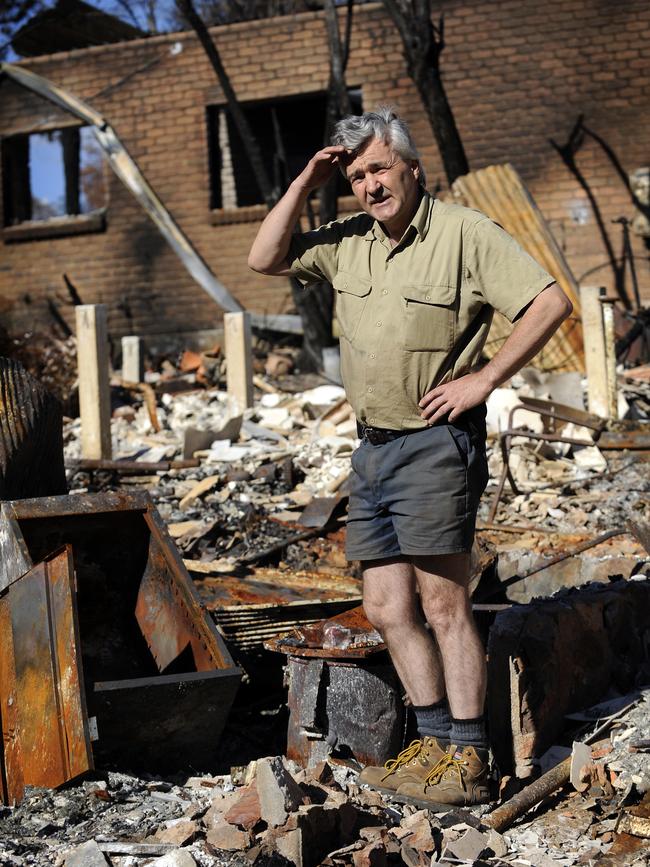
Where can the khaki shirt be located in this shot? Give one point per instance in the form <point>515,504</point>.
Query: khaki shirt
<point>417,314</point>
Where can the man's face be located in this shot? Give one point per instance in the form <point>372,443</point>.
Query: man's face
<point>385,185</point>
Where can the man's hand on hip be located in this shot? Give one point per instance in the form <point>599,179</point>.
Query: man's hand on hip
<point>455,397</point>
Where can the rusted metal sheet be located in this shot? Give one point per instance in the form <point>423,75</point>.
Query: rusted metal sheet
<point>253,609</point>
<point>266,587</point>
<point>179,718</point>
<point>500,193</point>
<point>348,635</point>
<point>12,781</point>
<point>167,611</point>
<point>125,561</point>
<point>50,724</point>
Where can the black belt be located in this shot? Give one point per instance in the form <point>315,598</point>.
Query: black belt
<point>377,436</point>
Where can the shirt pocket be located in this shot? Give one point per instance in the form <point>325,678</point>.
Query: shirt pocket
<point>351,298</point>
<point>429,316</point>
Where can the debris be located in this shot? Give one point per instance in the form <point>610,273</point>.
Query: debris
<point>469,846</point>
<point>598,627</point>
<point>179,832</point>
<point>86,855</point>
<point>198,490</point>
<point>227,837</point>
<point>177,858</point>
<point>278,792</point>
<point>31,436</point>
<point>134,610</point>
<point>247,811</point>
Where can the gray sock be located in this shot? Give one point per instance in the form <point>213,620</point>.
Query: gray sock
<point>434,720</point>
<point>469,733</point>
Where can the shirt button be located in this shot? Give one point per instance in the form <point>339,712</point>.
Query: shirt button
<point>370,390</point>
<point>427,298</point>
<point>379,325</point>
<point>385,292</point>
<point>372,355</point>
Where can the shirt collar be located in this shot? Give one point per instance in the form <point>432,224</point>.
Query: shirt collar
<point>420,221</point>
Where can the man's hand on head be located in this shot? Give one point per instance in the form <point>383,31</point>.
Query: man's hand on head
<point>454,398</point>
<point>322,166</point>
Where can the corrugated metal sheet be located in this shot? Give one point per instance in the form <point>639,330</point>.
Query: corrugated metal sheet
<point>500,193</point>
<point>251,610</point>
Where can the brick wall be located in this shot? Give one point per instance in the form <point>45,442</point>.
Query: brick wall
<point>517,74</point>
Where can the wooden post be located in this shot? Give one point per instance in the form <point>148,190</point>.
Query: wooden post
<point>94,388</point>
<point>610,354</point>
<point>239,358</point>
<point>594,342</point>
<point>132,359</point>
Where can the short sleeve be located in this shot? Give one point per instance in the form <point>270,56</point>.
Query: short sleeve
<point>501,271</point>
<point>313,256</point>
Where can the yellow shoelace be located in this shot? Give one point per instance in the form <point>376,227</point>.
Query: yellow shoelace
<point>410,752</point>
<point>444,764</point>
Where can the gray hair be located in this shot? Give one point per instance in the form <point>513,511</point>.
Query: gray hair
<point>355,130</point>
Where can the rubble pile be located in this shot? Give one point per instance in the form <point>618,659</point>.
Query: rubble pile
<point>272,812</point>
<point>268,462</point>
<point>255,503</point>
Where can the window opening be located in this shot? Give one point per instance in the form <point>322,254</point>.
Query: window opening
<point>289,132</point>
<point>52,174</point>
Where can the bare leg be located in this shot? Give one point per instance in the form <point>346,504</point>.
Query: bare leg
<point>443,582</point>
<point>391,605</point>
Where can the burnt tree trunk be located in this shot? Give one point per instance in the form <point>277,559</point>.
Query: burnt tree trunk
<point>320,296</point>
<point>314,304</point>
<point>423,43</point>
<point>31,436</point>
<point>253,152</point>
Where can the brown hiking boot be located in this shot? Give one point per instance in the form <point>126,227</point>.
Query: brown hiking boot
<point>412,765</point>
<point>460,778</point>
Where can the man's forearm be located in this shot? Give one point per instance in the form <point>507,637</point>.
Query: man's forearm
<point>531,332</point>
<point>529,335</point>
<point>270,248</point>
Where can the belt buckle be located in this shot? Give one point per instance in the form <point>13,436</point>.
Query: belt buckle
<point>375,437</point>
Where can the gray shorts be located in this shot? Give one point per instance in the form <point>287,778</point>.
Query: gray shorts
<point>418,494</point>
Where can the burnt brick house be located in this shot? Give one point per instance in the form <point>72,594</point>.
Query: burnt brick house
<point>517,74</point>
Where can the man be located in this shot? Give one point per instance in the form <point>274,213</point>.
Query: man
<point>416,282</point>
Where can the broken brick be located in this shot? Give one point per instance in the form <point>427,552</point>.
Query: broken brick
<point>180,832</point>
<point>373,855</point>
<point>278,792</point>
<point>469,846</point>
<point>246,811</point>
<point>227,837</point>
<point>88,854</point>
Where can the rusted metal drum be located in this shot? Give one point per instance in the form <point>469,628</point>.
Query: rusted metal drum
<point>347,707</point>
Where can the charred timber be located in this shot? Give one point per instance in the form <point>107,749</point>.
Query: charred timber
<point>31,436</point>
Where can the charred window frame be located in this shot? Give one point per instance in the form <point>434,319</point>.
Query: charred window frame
<point>54,178</point>
<point>289,131</point>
